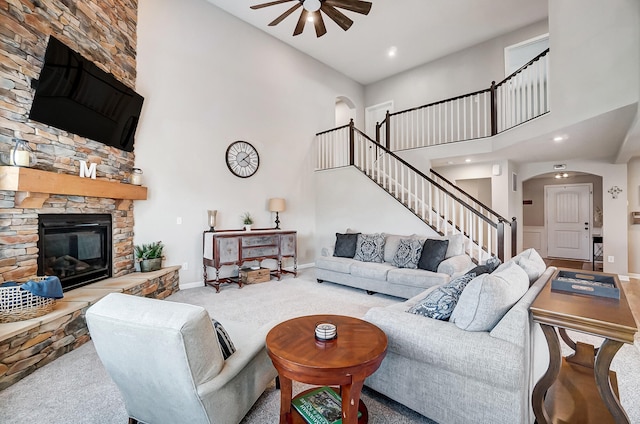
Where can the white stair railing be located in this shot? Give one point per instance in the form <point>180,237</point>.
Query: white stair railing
<point>436,202</point>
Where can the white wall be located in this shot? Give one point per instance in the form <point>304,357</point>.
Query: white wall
<point>210,79</point>
<point>463,72</point>
<point>346,198</point>
<point>633,196</point>
<point>595,59</point>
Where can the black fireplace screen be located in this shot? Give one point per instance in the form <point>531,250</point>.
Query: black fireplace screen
<point>75,247</point>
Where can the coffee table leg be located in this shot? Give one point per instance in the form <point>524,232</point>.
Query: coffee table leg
<point>286,389</point>
<point>350,400</point>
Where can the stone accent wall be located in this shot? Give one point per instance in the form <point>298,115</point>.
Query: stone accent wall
<point>103,31</point>
<point>25,352</point>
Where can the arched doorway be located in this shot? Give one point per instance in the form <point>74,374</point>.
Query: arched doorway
<point>345,111</point>
<point>558,220</point>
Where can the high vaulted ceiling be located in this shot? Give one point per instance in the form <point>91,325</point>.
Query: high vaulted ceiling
<point>420,30</point>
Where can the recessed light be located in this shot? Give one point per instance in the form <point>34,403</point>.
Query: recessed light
<point>450,162</point>
<point>467,160</point>
<point>393,50</point>
<point>558,139</point>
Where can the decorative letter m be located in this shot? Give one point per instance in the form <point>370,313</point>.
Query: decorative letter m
<point>87,172</point>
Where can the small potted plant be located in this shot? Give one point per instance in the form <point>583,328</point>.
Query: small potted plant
<point>149,256</point>
<point>247,220</point>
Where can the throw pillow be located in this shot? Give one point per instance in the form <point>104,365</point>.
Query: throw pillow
<point>345,245</point>
<point>439,303</point>
<point>370,248</point>
<point>408,253</point>
<point>532,263</point>
<point>433,252</point>
<point>226,345</point>
<point>488,297</point>
<point>492,263</point>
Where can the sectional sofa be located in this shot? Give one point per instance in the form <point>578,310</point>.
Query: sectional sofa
<point>476,367</point>
<point>384,277</point>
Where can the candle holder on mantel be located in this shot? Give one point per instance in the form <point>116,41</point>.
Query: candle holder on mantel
<point>19,155</point>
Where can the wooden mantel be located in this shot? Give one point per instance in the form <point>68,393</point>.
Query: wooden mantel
<point>33,187</point>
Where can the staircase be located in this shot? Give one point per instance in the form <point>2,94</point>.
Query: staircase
<point>433,199</point>
<point>438,202</point>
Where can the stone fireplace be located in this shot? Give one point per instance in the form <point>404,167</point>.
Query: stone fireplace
<point>75,247</point>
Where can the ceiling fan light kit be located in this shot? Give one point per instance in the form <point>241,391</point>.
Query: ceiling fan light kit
<point>312,11</point>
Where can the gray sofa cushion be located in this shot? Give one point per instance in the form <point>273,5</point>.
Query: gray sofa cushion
<point>532,263</point>
<point>408,253</point>
<point>456,244</point>
<point>370,248</point>
<point>333,263</point>
<point>416,277</point>
<point>391,243</point>
<point>371,270</point>
<point>488,297</point>
<point>345,245</point>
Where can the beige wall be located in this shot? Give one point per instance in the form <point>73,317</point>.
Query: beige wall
<point>533,189</point>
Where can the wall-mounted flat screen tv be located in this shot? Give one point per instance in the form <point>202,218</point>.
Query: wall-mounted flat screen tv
<point>74,95</point>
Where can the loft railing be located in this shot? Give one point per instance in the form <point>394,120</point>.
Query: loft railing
<point>518,98</point>
<point>443,209</point>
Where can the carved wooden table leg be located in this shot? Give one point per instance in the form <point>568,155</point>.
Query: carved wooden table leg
<point>540,389</point>
<point>607,351</point>
<point>350,400</point>
<point>286,390</point>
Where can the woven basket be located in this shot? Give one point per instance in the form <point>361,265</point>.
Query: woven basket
<point>18,305</point>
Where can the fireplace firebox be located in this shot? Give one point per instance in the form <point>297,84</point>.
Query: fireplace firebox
<point>75,247</point>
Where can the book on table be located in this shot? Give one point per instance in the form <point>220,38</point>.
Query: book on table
<point>320,406</point>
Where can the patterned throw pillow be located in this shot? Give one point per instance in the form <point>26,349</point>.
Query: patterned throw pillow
<point>370,248</point>
<point>226,345</point>
<point>492,263</point>
<point>439,303</point>
<point>408,253</point>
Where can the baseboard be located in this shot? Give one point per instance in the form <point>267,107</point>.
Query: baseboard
<point>184,286</point>
<point>636,276</point>
<point>301,266</point>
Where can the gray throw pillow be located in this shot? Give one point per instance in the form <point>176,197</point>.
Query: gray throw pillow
<point>440,302</point>
<point>488,297</point>
<point>433,252</point>
<point>408,253</point>
<point>370,248</point>
<point>346,245</point>
<point>226,345</point>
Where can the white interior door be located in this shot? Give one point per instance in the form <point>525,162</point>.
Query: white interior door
<point>374,114</point>
<point>568,219</point>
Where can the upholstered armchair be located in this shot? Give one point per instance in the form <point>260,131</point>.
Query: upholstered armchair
<point>166,360</point>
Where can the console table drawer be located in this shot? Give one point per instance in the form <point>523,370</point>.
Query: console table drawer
<point>250,241</point>
<point>258,252</point>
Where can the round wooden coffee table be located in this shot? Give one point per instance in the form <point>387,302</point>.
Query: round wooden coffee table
<point>345,361</point>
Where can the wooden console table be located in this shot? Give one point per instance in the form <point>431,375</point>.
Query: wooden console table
<point>236,247</point>
<point>580,388</point>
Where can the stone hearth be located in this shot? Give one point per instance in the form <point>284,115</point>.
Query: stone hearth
<point>30,344</point>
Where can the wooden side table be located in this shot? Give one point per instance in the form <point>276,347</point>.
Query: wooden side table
<point>346,361</point>
<point>580,388</point>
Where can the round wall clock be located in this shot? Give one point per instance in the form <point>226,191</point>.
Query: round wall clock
<point>242,159</point>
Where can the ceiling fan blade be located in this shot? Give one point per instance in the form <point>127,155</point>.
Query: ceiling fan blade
<point>301,21</point>
<point>358,6</point>
<point>338,17</point>
<point>318,22</point>
<point>271,3</point>
<point>280,18</point>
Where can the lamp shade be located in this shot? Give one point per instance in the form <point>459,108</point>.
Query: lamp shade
<point>277,204</point>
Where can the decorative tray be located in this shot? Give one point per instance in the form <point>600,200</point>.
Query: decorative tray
<point>580,282</point>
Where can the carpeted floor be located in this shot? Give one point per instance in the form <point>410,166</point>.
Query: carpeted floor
<point>76,389</point>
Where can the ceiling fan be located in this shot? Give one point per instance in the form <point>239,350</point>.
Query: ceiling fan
<point>311,11</point>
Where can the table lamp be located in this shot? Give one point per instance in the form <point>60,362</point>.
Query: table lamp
<point>277,204</point>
